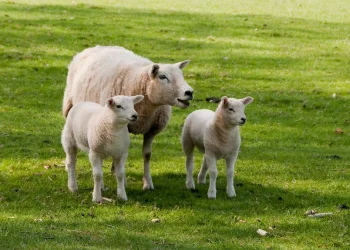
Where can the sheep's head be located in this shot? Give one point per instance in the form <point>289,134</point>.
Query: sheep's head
<point>168,86</point>
<point>123,107</point>
<point>233,109</point>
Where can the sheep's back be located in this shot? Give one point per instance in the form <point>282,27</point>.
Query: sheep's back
<point>96,73</point>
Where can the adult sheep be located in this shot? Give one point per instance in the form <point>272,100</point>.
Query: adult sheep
<point>103,71</point>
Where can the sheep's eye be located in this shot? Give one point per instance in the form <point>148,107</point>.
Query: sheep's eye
<point>231,109</point>
<point>162,77</point>
<point>119,107</point>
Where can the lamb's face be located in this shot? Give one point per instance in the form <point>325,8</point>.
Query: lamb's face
<point>123,107</point>
<point>233,110</point>
<point>168,86</point>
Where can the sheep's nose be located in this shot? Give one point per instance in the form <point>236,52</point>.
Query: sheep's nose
<point>189,93</point>
<point>243,120</point>
<point>134,117</point>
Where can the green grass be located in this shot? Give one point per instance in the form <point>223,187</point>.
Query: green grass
<point>291,56</point>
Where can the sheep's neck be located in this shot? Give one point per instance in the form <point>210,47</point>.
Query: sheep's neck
<point>222,129</point>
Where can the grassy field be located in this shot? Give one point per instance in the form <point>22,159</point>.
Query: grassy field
<point>291,56</point>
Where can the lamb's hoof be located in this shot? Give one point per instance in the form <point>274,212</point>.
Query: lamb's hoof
<point>147,185</point>
<point>201,180</point>
<point>190,185</point>
<point>121,194</point>
<point>212,194</point>
<point>231,193</point>
<point>97,200</point>
<point>122,197</point>
<point>73,189</point>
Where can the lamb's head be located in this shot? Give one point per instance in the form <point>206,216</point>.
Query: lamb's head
<point>123,107</point>
<point>168,86</point>
<point>232,110</point>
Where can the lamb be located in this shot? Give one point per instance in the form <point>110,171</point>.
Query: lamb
<point>102,71</point>
<point>101,131</point>
<point>216,134</point>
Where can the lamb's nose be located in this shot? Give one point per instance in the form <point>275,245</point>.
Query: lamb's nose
<point>134,117</point>
<point>189,93</point>
<point>243,120</point>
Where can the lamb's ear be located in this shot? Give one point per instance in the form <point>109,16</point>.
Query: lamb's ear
<point>110,102</point>
<point>154,70</point>
<point>224,100</point>
<point>137,98</point>
<point>183,64</point>
<point>247,100</point>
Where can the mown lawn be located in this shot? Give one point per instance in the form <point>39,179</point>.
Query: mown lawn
<point>291,56</point>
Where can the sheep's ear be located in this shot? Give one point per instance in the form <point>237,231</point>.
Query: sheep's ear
<point>137,98</point>
<point>154,70</point>
<point>224,100</point>
<point>110,102</point>
<point>183,64</point>
<point>247,100</point>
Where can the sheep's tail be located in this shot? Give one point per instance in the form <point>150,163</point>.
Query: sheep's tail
<point>67,104</point>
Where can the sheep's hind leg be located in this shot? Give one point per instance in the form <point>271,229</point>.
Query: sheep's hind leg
<point>146,153</point>
<point>188,148</point>
<point>203,172</point>
<point>71,159</point>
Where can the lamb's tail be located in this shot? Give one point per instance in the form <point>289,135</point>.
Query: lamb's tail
<point>67,104</point>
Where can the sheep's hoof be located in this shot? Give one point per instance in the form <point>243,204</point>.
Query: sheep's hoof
<point>212,194</point>
<point>147,185</point>
<point>73,189</point>
<point>190,185</point>
<point>97,200</point>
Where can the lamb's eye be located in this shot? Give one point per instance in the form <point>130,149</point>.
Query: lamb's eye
<point>162,77</point>
<point>231,109</point>
<point>119,107</point>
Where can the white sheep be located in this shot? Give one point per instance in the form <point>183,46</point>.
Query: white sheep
<point>101,131</point>
<point>103,71</point>
<point>216,134</point>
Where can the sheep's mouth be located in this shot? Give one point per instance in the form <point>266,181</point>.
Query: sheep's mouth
<point>184,102</point>
<point>132,120</point>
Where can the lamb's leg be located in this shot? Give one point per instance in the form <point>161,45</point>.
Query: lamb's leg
<point>71,159</point>
<point>213,173</point>
<point>203,172</point>
<point>96,162</point>
<point>230,164</point>
<point>119,169</point>
<point>188,147</point>
<point>146,153</point>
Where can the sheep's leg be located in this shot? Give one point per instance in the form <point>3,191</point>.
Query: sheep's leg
<point>146,153</point>
<point>230,163</point>
<point>188,148</point>
<point>203,172</point>
<point>213,173</point>
<point>96,162</point>
<point>71,159</point>
<point>119,168</point>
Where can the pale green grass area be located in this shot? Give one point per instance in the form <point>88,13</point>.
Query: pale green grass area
<point>291,56</point>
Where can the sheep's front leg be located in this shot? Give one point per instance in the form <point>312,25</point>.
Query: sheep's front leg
<point>230,164</point>
<point>146,153</point>
<point>213,173</point>
<point>119,169</point>
<point>71,159</point>
<point>96,162</point>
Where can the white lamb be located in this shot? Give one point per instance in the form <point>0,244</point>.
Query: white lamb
<point>216,134</point>
<point>101,131</point>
